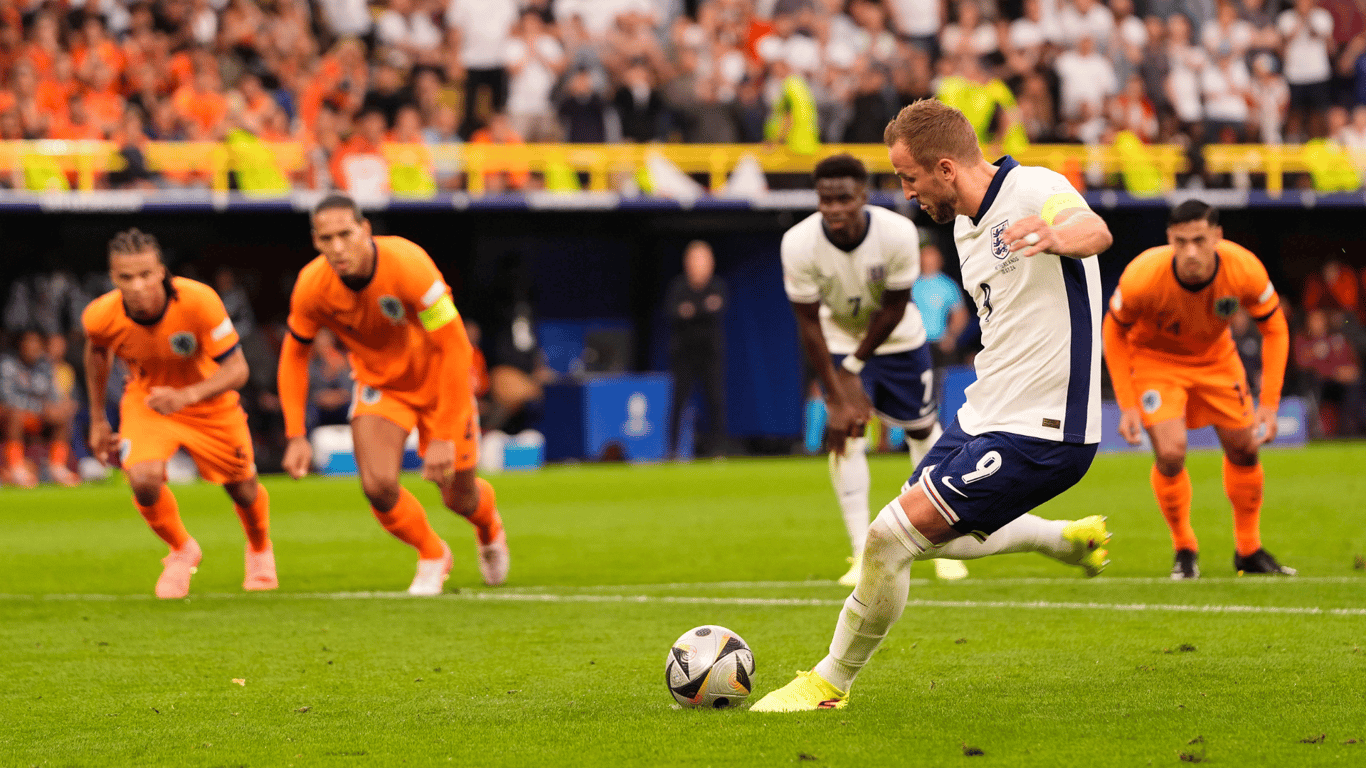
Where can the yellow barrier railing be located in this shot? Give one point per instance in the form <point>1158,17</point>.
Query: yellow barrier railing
<point>604,164</point>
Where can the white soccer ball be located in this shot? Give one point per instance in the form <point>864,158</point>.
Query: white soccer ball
<point>709,666</point>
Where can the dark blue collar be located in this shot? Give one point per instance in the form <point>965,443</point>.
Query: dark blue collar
<point>867,226</point>
<point>1005,164</point>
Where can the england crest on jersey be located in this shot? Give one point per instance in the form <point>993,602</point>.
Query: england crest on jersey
<point>999,247</point>
<point>877,273</point>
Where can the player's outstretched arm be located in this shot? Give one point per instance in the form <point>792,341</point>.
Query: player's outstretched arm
<point>846,418</point>
<point>1275,353</point>
<point>104,441</point>
<point>1119,361</point>
<point>1073,232</point>
<point>457,394</point>
<point>293,382</point>
<point>232,374</point>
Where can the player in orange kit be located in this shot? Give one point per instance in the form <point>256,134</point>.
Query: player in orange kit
<point>386,301</point>
<point>1170,353</point>
<point>186,364</point>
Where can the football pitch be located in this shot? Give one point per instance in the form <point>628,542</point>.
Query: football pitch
<point>1026,662</point>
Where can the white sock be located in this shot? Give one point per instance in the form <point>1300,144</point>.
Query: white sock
<point>879,598</point>
<point>849,474</point>
<point>1026,533</point>
<point>922,446</point>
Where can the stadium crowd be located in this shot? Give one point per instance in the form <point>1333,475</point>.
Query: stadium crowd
<point>342,76</point>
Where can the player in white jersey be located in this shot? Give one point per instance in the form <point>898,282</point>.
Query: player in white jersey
<point>848,270</point>
<point>1026,242</point>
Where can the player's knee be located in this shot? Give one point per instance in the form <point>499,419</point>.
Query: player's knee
<point>1242,455</point>
<point>146,486</point>
<point>242,492</point>
<point>382,492</point>
<point>461,495</point>
<point>1171,459</point>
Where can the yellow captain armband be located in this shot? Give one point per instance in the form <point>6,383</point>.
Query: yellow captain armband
<point>1059,203</point>
<point>438,314</point>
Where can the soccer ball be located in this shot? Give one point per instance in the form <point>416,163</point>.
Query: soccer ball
<point>709,666</point>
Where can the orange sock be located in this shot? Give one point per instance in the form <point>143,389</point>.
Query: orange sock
<point>164,519</point>
<point>256,520</point>
<point>487,523</point>
<point>14,453</point>
<point>407,521</point>
<point>1244,488</point>
<point>58,453</point>
<point>1174,499</point>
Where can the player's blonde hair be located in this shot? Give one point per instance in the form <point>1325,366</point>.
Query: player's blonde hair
<point>932,130</point>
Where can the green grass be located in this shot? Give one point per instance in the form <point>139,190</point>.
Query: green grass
<point>1025,661</point>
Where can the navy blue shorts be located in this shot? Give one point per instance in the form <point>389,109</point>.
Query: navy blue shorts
<point>901,387</point>
<point>981,483</point>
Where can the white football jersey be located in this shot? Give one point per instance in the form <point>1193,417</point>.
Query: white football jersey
<point>849,284</point>
<point>1038,373</point>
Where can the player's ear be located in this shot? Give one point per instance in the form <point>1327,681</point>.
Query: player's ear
<point>948,170</point>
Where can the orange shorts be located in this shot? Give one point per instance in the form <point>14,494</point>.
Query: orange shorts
<point>219,443</point>
<point>1215,393</point>
<point>418,409</point>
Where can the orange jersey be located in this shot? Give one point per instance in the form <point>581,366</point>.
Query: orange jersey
<point>384,324</point>
<point>1166,320</point>
<point>181,348</point>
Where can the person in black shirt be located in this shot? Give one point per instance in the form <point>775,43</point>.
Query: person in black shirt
<point>696,302</point>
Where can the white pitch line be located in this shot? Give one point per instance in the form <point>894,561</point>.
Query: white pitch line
<point>524,597</point>
<point>1004,582</point>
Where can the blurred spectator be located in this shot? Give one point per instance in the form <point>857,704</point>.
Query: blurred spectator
<point>638,105</point>
<point>52,303</point>
<point>202,106</point>
<point>792,119</point>
<point>346,18</point>
<point>1226,87</point>
<point>34,409</point>
<point>1334,287</point>
<point>940,301</point>
<point>535,60</point>
<point>387,93</point>
<point>872,109</point>
<point>1269,99</point>
<point>1085,18</point>
<point>984,100</point>
<point>970,35</point>
<point>1182,88</point>
<point>1131,111</point>
<point>1228,34</point>
<point>406,27</point>
<point>919,21</point>
<point>583,110</point>
<point>1334,371</point>
<point>482,28</point>
<point>696,302</point>
<point>1128,40</point>
<point>329,382</point>
<point>359,165</point>
<point>1027,38</point>
<point>507,177</point>
<point>1353,134</point>
<point>1085,77</point>
<point>1307,31</point>
<point>132,138</point>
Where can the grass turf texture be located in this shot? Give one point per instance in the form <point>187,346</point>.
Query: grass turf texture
<point>571,672</point>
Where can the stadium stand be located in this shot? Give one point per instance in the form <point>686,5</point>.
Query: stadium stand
<point>282,94</point>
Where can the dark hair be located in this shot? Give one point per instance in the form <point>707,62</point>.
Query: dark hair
<point>334,202</point>
<point>841,166</point>
<point>131,242</point>
<point>1194,210</point>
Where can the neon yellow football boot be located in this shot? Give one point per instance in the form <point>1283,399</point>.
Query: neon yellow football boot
<point>1088,537</point>
<point>807,693</point>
